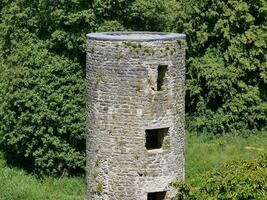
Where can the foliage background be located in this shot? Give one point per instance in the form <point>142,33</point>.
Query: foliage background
<point>226,65</point>
<point>42,46</point>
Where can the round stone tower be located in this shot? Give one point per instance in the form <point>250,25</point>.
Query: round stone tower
<point>135,115</point>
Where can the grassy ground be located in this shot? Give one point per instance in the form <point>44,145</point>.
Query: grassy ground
<point>202,153</point>
<point>15,184</point>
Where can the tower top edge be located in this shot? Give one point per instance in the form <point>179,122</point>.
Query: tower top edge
<point>134,36</point>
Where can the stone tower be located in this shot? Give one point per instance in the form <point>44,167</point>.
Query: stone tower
<point>135,114</point>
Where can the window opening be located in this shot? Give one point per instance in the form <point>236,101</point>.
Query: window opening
<point>162,69</point>
<point>155,137</point>
<point>156,195</point>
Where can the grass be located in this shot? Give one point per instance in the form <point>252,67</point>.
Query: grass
<point>16,184</point>
<point>203,153</point>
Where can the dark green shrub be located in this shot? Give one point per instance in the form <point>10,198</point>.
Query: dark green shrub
<point>153,15</point>
<point>42,110</point>
<point>226,64</point>
<point>240,180</point>
<point>62,25</point>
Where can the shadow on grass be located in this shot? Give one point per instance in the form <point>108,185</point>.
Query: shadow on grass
<point>14,160</point>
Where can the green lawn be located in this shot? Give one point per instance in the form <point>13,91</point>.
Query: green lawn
<point>15,184</point>
<point>202,153</point>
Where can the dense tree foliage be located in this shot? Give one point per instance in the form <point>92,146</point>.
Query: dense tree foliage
<point>42,110</point>
<point>226,65</point>
<point>42,50</point>
<point>244,180</point>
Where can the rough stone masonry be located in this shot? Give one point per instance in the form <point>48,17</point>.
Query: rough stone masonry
<point>135,114</point>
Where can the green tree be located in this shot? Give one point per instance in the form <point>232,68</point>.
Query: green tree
<point>226,64</point>
<point>42,110</point>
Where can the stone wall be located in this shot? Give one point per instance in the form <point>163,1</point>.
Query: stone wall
<point>134,87</point>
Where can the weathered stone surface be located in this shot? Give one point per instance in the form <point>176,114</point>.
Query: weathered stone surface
<point>123,102</point>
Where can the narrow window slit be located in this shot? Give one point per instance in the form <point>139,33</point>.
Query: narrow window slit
<point>156,195</point>
<point>162,69</point>
<point>155,138</point>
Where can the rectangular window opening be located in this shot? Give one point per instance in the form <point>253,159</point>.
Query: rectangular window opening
<point>155,138</point>
<point>156,195</point>
<point>162,69</point>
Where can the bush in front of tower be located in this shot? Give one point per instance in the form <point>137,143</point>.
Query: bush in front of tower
<point>242,180</point>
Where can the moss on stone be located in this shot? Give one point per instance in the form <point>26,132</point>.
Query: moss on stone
<point>180,42</point>
<point>99,77</point>
<point>148,50</point>
<point>119,56</point>
<point>95,174</point>
<point>113,115</point>
<point>136,157</point>
<point>99,188</point>
<point>133,45</point>
<point>145,173</point>
<point>97,161</point>
<point>92,49</point>
<point>166,144</point>
<point>138,87</point>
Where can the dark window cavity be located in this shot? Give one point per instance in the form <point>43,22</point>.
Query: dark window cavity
<point>156,196</point>
<point>155,137</point>
<point>162,69</point>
